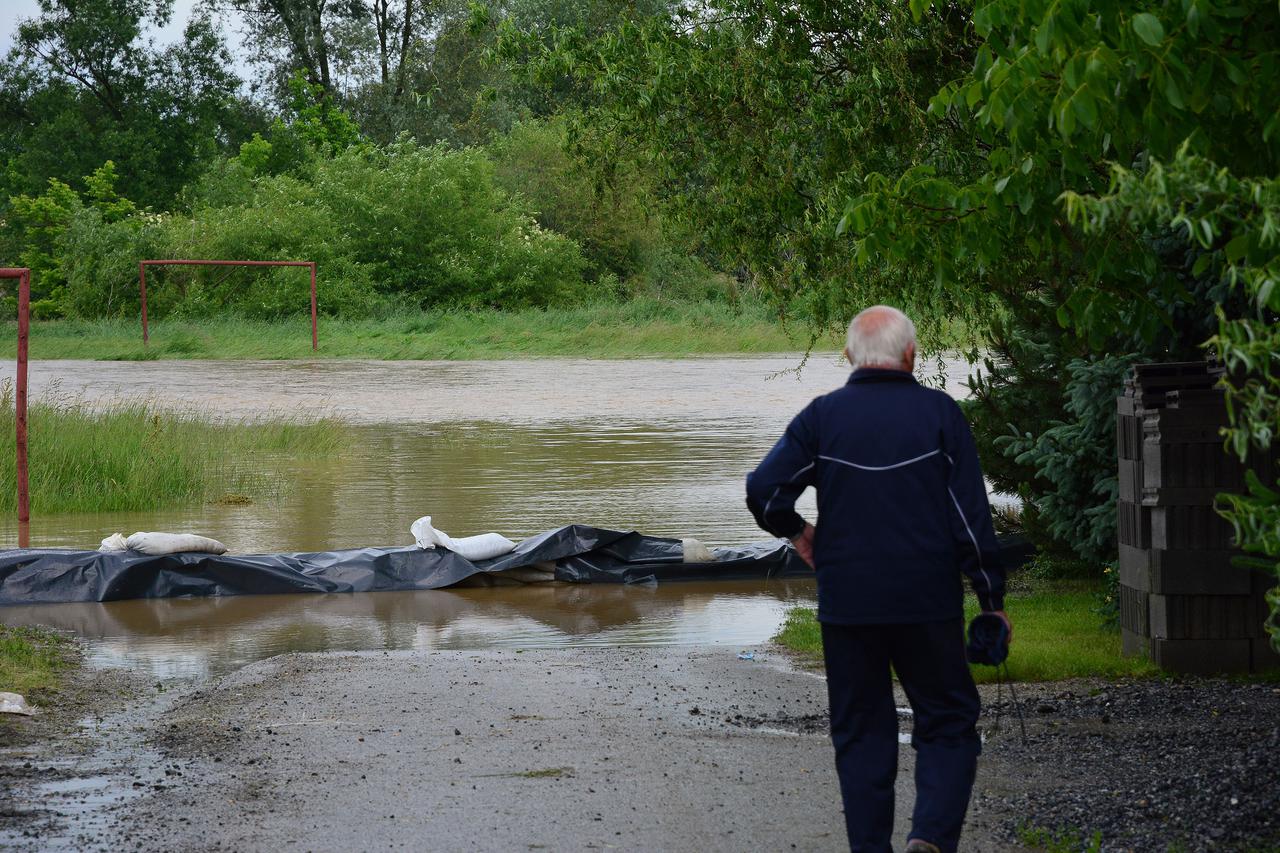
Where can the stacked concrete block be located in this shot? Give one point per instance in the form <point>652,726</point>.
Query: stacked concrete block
<point>1181,600</point>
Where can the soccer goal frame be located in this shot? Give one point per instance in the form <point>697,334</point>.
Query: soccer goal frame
<point>142,285</point>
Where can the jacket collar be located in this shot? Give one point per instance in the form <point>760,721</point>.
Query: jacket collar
<point>880,374</point>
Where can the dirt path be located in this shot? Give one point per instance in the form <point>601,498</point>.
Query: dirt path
<point>626,749</point>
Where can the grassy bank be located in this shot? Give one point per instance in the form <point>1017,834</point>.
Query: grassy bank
<point>32,660</point>
<point>1056,635</point>
<point>606,330</point>
<point>133,456</point>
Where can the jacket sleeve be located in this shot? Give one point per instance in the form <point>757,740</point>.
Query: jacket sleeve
<point>971,524</point>
<point>788,469</point>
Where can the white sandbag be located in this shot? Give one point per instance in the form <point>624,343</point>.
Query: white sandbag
<point>482,547</point>
<point>114,542</point>
<point>695,552</point>
<point>15,703</point>
<point>157,544</point>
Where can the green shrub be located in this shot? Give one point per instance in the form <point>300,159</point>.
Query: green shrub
<point>400,226</point>
<point>604,213</point>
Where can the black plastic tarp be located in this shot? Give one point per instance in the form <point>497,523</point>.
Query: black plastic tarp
<point>580,554</point>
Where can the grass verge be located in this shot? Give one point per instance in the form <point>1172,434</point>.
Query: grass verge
<point>32,660</point>
<point>1056,635</point>
<point>605,330</point>
<point>134,456</point>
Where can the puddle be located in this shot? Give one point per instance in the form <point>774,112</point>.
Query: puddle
<point>81,794</point>
<point>179,638</point>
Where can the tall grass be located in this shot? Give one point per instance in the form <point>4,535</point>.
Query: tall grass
<point>32,659</point>
<point>132,455</point>
<point>639,327</point>
<point>1056,634</point>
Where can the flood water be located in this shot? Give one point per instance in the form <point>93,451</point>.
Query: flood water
<point>659,446</point>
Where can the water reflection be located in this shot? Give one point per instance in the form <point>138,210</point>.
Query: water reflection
<point>656,445</point>
<point>201,637</point>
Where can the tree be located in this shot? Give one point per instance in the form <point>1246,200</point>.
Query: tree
<point>81,86</point>
<point>759,117</point>
<point>301,36</point>
<point>1104,127</point>
<point>1108,167</point>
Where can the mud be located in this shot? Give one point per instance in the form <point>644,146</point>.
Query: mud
<point>627,749</point>
<point>62,767</point>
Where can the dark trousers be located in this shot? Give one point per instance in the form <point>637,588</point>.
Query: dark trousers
<point>930,662</point>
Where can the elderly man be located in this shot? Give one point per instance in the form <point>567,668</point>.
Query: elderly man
<point>902,513</point>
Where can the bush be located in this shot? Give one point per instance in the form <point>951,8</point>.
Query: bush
<point>433,227</point>
<point>605,213</point>
<point>1044,409</point>
<point>401,226</point>
<point>100,262</point>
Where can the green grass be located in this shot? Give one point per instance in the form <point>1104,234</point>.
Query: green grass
<point>1062,841</point>
<point>134,456</point>
<point>1056,635</point>
<point>33,659</point>
<point>606,330</point>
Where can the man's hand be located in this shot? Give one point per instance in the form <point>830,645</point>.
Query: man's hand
<point>1004,617</point>
<point>803,543</point>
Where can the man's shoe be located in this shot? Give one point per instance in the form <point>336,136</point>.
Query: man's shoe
<point>918,846</point>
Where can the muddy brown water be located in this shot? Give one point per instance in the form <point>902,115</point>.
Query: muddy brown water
<point>656,445</point>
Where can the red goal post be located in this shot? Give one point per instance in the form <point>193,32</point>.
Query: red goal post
<point>23,275</point>
<point>142,284</point>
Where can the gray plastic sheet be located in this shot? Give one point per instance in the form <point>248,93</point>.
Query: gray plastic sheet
<point>580,554</point>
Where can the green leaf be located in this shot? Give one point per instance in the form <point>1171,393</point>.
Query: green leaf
<point>1002,183</point>
<point>1237,248</point>
<point>1148,28</point>
<point>1084,107</point>
<point>1265,292</point>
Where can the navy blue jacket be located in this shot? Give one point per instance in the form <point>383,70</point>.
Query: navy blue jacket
<point>902,508</point>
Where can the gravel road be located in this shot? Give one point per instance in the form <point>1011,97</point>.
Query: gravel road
<point>620,749</point>
<point>615,748</point>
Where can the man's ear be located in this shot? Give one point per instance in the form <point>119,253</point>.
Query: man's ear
<point>909,356</point>
<point>847,357</point>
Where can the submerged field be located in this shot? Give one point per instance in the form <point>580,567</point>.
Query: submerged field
<point>605,330</point>
<point>133,455</point>
<point>1057,634</point>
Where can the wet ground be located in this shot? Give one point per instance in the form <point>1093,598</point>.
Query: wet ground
<point>667,748</point>
<point>557,749</point>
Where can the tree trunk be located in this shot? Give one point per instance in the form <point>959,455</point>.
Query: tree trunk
<point>321,47</point>
<point>382,24</point>
<point>405,31</point>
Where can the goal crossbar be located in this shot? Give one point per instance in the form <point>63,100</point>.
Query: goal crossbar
<point>175,262</point>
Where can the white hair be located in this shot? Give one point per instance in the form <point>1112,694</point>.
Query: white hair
<point>879,337</point>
